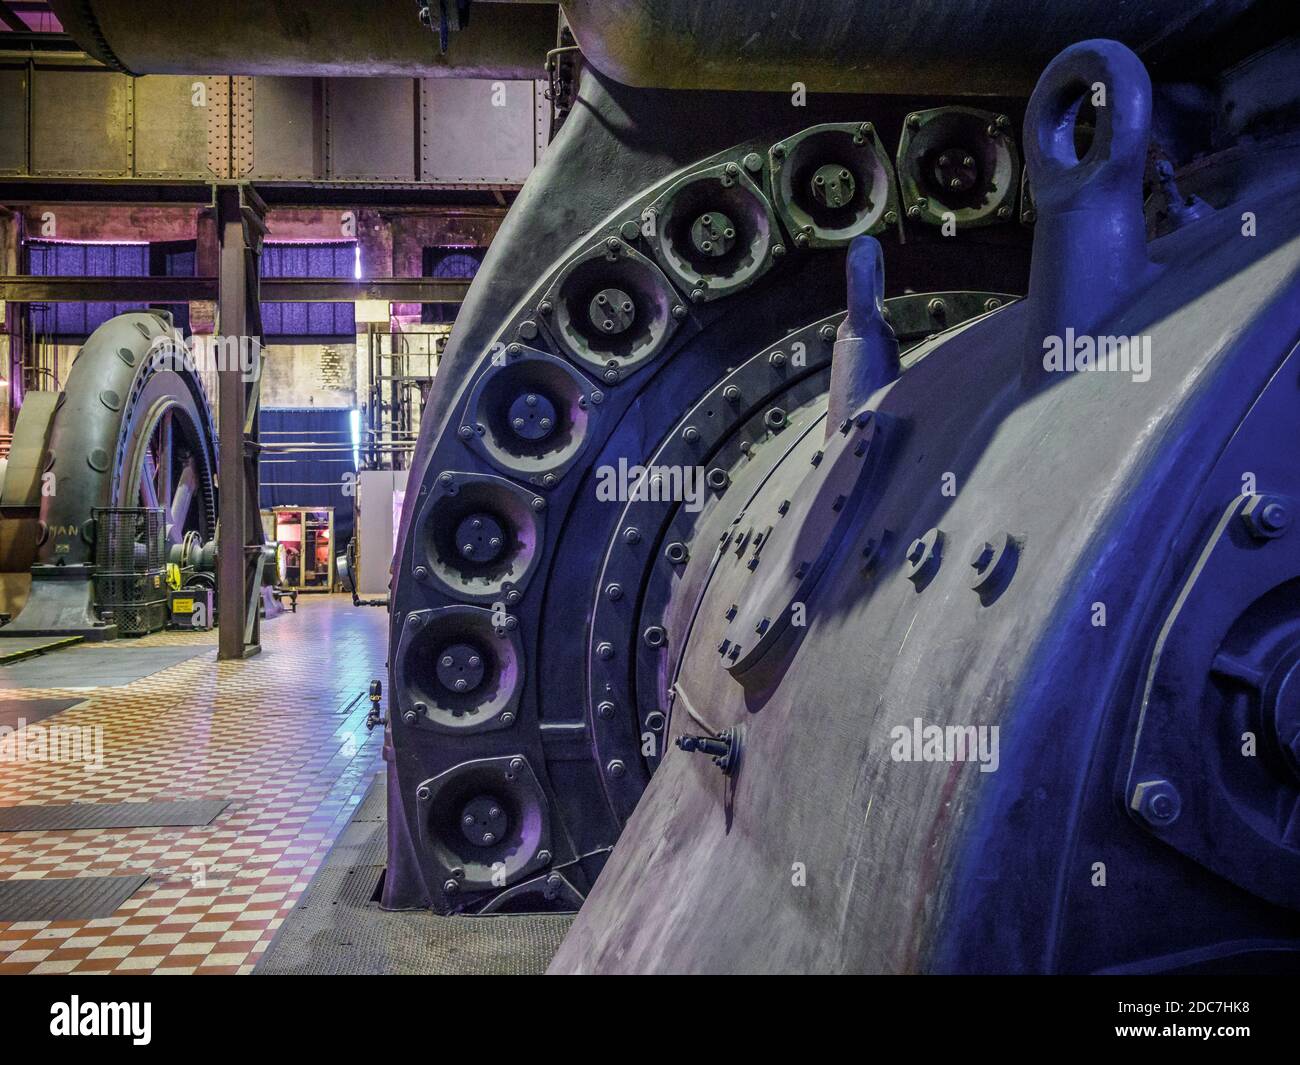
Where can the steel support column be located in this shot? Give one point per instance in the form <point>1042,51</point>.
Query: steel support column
<point>241,228</point>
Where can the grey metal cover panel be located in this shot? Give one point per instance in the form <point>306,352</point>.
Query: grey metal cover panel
<point>29,711</point>
<point>476,132</point>
<point>171,127</point>
<point>371,129</point>
<point>13,121</point>
<point>94,667</point>
<point>68,898</point>
<point>38,818</point>
<point>286,129</point>
<point>80,123</point>
<point>27,451</point>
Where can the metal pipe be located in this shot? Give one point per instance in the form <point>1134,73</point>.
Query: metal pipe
<point>326,38</point>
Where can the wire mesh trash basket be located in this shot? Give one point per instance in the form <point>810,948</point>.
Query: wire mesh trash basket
<point>130,568</point>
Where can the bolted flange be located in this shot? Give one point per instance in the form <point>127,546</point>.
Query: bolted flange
<point>833,185</point>
<point>713,234</point>
<point>725,748</point>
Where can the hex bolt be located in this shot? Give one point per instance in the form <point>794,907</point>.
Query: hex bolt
<point>924,556</point>
<point>616,768</point>
<point>614,591</point>
<point>507,718</point>
<point>777,358</point>
<point>676,552</point>
<point>1157,802</point>
<point>605,650</point>
<point>423,794</point>
<point>450,887</point>
<point>544,857</point>
<point>410,717</point>
<point>465,432</point>
<point>421,573</point>
<point>1267,517</point>
<point>731,393</point>
<point>631,535</point>
<point>992,303</point>
<point>545,307</point>
<point>937,308</point>
<point>913,121</point>
<point>1274,517</point>
<point>994,562</point>
<point>690,434</point>
<point>516,765</point>
<point>605,710</point>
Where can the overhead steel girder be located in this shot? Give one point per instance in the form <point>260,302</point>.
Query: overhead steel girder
<point>28,289</point>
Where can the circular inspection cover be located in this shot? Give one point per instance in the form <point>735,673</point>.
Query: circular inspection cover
<point>787,552</point>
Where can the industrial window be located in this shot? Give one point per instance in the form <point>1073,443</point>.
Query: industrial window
<point>76,321</point>
<point>460,263</point>
<point>309,321</point>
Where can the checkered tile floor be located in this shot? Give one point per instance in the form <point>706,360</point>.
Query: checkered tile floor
<point>279,735</point>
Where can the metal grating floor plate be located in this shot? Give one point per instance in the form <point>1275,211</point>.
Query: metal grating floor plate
<point>337,930</point>
<point>69,898</point>
<point>45,818</point>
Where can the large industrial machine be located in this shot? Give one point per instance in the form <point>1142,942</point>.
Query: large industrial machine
<point>854,525</point>
<point>909,525</point>
<point>131,431</point>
